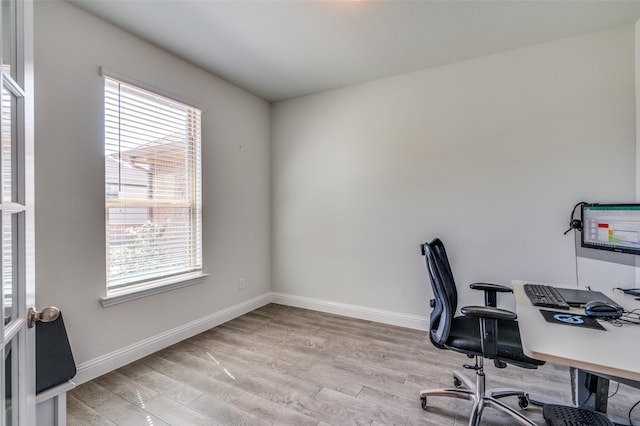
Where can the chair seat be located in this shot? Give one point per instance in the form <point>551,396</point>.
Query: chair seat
<point>463,337</point>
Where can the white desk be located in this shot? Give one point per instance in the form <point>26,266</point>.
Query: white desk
<point>613,352</point>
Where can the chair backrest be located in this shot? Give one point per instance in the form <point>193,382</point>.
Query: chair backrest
<point>444,291</point>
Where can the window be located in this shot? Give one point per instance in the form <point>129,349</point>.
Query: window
<point>152,188</point>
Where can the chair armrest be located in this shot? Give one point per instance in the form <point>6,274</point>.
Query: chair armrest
<point>491,287</point>
<point>488,312</point>
<point>491,292</point>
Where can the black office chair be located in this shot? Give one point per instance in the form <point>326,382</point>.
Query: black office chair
<point>481,332</point>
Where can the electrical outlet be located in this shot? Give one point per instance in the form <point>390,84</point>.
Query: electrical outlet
<point>241,284</point>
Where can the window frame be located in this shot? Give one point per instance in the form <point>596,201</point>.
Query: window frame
<point>192,200</point>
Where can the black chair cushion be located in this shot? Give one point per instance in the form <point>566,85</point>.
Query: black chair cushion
<point>463,337</point>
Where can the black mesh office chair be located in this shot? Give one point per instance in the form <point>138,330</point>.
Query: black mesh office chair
<point>481,332</point>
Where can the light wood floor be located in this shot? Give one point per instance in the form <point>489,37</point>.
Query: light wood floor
<point>288,366</point>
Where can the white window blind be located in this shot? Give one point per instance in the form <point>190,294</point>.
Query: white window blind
<point>152,187</point>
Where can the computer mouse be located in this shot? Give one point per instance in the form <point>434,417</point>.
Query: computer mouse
<point>598,308</point>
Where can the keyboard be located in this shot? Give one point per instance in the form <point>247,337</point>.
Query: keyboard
<point>545,296</point>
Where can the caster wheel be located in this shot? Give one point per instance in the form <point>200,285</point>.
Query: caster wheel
<point>457,383</point>
<point>523,401</point>
<point>423,402</point>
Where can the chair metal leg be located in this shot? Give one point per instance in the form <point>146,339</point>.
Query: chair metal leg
<point>505,392</point>
<point>467,394</point>
<point>524,399</point>
<point>499,405</point>
<point>476,412</point>
<point>540,400</point>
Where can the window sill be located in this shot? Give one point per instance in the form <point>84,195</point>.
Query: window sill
<point>155,287</point>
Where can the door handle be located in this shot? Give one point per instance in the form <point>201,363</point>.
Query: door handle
<point>46,315</point>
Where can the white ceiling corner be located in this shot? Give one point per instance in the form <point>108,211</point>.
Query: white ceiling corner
<point>280,49</point>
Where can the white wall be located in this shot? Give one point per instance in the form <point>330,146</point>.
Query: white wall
<point>489,154</point>
<point>70,46</point>
<point>637,92</point>
<point>637,82</point>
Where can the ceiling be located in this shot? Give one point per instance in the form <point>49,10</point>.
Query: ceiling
<point>288,48</point>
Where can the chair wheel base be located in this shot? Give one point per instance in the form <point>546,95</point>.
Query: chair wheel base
<point>423,402</point>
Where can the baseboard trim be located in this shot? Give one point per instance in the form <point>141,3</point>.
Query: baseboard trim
<point>415,322</point>
<point>89,370</point>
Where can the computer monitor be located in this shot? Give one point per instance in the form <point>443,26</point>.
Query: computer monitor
<point>613,227</point>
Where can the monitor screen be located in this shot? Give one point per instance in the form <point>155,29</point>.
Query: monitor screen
<point>614,227</point>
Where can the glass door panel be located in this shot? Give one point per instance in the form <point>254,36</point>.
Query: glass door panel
<point>8,249</point>
<point>11,390</point>
<point>8,145</point>
<point>9,37</point>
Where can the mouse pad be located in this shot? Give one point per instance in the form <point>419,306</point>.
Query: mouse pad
<point>575,320</point>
